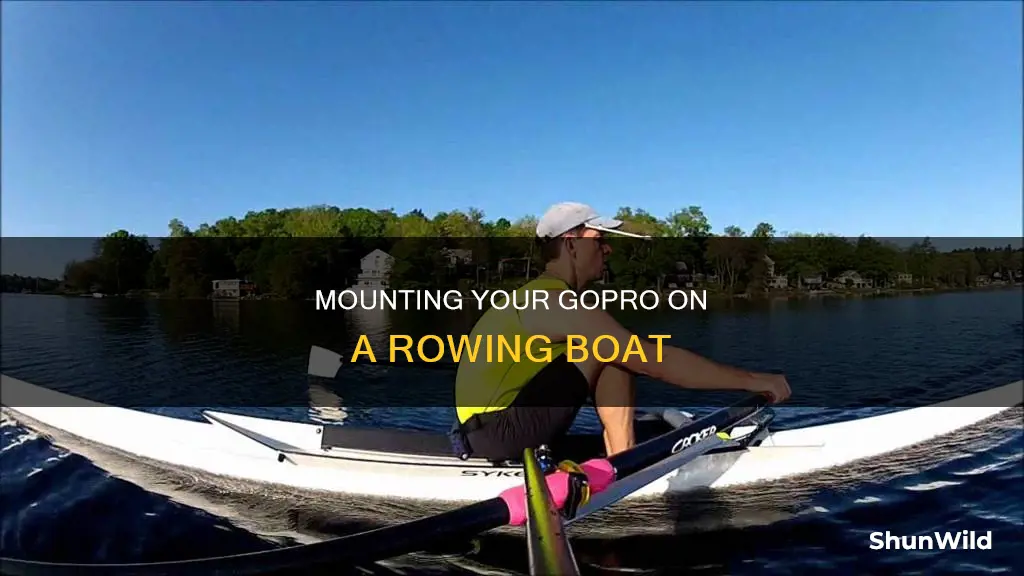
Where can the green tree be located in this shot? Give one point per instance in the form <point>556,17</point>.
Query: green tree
<point>689,221</point>
<point>122,262</point>
<point>292,251</point>
<point>763,230</point>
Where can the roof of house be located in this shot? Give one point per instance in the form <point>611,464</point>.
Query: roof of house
<point>376,252</point>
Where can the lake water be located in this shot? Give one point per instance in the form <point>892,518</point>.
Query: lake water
<point>62,507</point>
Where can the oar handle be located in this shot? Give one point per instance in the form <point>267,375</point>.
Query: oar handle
<point>759,400</point>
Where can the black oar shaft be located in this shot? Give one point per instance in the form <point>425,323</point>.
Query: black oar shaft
<point>353,550</point>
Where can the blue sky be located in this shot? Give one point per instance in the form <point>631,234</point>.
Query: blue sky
<point>891,119</point>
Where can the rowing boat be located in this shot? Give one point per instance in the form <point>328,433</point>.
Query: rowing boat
<point>416,465</point>
<point>568,487</point>
<point>252,448</point>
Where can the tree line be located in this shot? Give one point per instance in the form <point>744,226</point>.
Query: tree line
<point>18,283</point>
<point>291,253</point>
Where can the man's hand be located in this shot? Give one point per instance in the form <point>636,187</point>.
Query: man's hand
<point>774,385</point>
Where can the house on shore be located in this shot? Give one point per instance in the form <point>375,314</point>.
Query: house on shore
<point>233,289</point>
<point>774,281</point>
<point>458,256</point>
<point>851,279</point>
<point>679,277</point>
<point>904,279</point>
<point>815,282</point>
<point>374,271</point>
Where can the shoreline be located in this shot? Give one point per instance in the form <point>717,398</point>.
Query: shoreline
<point>712,294</point>
<point>864,293</point>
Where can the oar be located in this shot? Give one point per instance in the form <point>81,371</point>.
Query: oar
<point>323,362</point>
<point>326,363</point>
<point>548,546</point>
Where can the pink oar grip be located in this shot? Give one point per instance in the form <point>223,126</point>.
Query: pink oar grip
<point>600,474</point>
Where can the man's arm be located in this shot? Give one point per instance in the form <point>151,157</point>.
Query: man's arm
<point>677,366</point>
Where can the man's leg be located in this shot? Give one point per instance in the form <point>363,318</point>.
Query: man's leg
<point>615,396</point>
<point>542,413</point>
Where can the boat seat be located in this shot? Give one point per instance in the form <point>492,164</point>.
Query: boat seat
<point>395,441</point>
<point>420,443</point>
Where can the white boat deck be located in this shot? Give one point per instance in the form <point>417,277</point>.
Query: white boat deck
<point>218,450</point>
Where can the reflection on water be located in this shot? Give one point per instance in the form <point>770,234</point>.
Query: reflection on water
<point>325,405</point>
<point>375,324</point>
<point>226,353</point>
<point>227,315</point>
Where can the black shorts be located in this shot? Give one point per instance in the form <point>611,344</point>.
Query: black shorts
<point>542,413</point>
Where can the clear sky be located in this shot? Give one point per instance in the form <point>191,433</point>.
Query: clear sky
<point>890,119</point>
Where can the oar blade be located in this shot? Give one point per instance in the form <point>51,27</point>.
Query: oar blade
<point>323,362</point>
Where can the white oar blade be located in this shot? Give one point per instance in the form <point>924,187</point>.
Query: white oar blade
<point>323,362</point>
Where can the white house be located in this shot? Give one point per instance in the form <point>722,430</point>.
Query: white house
<point>227,286</point>
<point>458,256</point>
<point>231,289</point>
<point>813,282</point>
<point>851,279</point>
<point>904,279</point>
<point>375,268</point>
<point>773,281</point>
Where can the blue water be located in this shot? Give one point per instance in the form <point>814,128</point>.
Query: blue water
<point>59,506</point>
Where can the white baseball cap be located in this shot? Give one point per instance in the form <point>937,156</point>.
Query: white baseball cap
<point>565,216</point>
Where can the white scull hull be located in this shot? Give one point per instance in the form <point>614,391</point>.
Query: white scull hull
<point>289,453</point>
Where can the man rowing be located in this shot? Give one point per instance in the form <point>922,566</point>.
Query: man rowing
<point>506,406</point>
